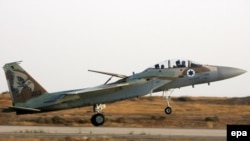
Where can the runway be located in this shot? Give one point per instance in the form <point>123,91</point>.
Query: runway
<point>110,131</point>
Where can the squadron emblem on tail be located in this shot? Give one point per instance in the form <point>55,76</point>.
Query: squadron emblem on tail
<point>22,86</point>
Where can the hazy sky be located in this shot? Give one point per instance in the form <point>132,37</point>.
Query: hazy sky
<point>58,41</point>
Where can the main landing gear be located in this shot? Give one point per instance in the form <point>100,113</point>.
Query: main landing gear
<point>168,109</point>
<point>98,118</point>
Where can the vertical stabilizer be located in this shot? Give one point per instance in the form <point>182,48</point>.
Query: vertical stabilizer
<point>21,85</point>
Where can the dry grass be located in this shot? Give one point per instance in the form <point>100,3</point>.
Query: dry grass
<point>84,138</point>
<point>188,112</point>
<point>106,138</point>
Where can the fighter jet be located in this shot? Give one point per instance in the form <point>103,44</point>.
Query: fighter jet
<point>28,96</point>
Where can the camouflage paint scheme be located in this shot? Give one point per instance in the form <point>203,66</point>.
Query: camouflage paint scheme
<point>28,96</point>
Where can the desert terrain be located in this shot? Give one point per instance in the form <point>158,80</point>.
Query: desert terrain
<point>188,112</point>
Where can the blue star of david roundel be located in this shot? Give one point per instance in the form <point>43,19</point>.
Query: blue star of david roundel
<point>190,73</point>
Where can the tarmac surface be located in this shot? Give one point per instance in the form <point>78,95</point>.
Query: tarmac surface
<point>60,131</point>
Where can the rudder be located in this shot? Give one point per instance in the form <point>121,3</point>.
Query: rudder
<point>21,85</point>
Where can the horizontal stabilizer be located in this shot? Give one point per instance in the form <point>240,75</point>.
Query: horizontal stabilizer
<point>111,74</point>
<point>25,109</point>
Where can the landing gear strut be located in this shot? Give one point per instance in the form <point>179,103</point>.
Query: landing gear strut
<point>168,109</point>
<point>98,118</point>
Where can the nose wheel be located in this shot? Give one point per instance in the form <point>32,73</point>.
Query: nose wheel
<point>168,110</point>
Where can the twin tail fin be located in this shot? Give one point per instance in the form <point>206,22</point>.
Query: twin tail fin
<point>22,86</point>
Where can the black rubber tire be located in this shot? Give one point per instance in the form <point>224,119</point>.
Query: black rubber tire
<point>98,119</point>
<point>168,110</point>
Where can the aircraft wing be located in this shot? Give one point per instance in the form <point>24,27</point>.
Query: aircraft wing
<point>111,74</point>
<point>67,96</point>
<point>99,91</point>
<point>71,95</point>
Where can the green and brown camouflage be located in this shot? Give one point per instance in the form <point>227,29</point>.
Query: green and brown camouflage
<point>28,96</point>
<point>21,85</point>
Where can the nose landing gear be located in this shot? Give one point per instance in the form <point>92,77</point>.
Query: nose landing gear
<point>168,109</point>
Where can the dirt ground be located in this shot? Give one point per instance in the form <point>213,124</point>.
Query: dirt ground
<point>188,112</point>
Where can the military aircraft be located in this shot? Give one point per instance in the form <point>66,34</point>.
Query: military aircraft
<point>28,96</point>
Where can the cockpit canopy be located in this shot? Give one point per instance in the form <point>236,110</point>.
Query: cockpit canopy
<point>176,63</point>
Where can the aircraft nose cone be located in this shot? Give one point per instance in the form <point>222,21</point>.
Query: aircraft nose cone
<point>228,72</point>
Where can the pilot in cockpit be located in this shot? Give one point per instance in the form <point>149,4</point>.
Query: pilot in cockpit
<point>183,64</point>
<point>157,66</point>
<point>178,64</point>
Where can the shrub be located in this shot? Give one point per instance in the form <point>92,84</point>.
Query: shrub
<point>81,121</point>
<point>184,98</point>
<point>57,120</point>
<point>212,118</point>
